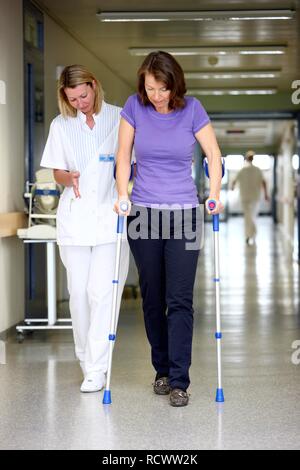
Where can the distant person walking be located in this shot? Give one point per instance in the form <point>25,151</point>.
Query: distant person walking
<point>251,181</point>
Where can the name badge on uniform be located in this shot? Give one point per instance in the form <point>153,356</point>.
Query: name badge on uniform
<point>106,157</point>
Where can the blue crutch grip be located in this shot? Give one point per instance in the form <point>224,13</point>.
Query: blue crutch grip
<point>212,204</point>
<point>120,226</point>
<point>216,220</point>
<point>124,205</point>
<point>106,398</point>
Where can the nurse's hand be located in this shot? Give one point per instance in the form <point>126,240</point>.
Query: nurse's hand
<point>118,204</point>
<point>74,176</point>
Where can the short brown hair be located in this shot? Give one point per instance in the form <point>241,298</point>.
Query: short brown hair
<point>71,77</point>
<point>166,69</point>
<point>249,156</point>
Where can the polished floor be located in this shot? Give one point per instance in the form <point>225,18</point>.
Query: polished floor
<point>41,406</point>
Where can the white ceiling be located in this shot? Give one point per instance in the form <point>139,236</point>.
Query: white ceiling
<point>238,136</point>
<point>111,43</point>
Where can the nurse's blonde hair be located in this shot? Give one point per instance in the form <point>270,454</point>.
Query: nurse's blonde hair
<point>71,77</point>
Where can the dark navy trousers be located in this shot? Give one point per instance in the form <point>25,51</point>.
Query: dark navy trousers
<point>167,273</point>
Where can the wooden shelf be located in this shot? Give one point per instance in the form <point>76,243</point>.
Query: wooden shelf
<point>10,222</point>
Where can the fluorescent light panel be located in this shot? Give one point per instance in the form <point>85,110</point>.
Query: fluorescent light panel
<point>228,15</point>
<point>262,161</point>
<point>221,92</point>
<point>295,162</point>
<point>236,162</point>
<point>230,75</point>
<point>207,51</point>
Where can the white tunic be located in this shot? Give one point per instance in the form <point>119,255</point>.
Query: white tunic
<point>73,146</point>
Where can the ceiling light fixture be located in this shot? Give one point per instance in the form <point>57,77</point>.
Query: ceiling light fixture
<point>232,92</point>
<point>221,15</point>
<point>231,75</point>
<point>216,51</point>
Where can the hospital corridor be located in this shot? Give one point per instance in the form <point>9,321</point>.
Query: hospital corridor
<point>119,334</point>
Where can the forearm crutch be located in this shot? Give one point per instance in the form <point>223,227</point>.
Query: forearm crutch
<point>211,203</point>
<point>113,322</point>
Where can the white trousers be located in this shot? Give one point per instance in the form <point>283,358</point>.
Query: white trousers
<point>90,272</point>
<point>250,209</point>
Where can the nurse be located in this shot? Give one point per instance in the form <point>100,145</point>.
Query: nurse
<point>81,149</point>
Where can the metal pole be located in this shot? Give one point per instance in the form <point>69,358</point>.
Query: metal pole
<point>218,335</point>
<point>51,283</point>
<point>113,322</point>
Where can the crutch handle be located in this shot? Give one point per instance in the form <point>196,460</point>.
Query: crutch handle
<point>212,204</point>
<point>124,205</point>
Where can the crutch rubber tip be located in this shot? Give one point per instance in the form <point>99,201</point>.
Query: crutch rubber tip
<point>106,398</point>
<point>220,395</point>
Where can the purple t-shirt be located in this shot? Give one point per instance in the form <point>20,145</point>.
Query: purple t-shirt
<point>164,148</point>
